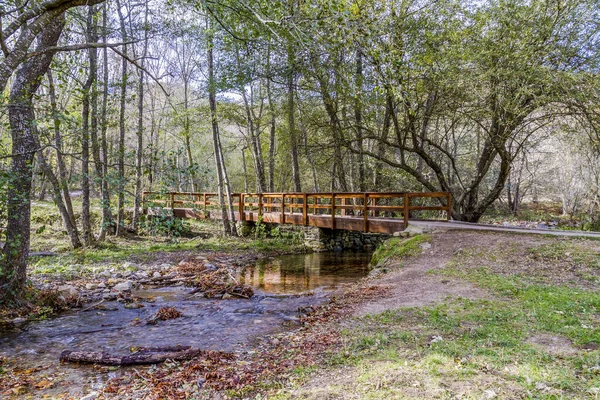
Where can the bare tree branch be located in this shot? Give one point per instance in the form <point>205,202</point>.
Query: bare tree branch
<point>80,46</point>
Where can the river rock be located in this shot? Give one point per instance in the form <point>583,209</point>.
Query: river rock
<point>156,275</point>
<point>227,296</point>
<point>425,246</point>
<point>105,274</point>
<point>109,296</point>
<point>19,321</point>
<point>91,286</point>
<point>133,306</point>
<point>123,286</point>
<point>142,275</point>
<point>129,266</point>
<point>210,267</point>
<point>101,285</point>
<point>68,292</point>
<point>90,396</point>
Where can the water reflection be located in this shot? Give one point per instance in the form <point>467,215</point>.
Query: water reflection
<point>206,323</point>
<point>305,272</point>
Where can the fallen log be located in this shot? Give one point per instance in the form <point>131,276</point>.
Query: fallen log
<point>144,356</point>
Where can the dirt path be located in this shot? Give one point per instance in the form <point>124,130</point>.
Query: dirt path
<point>411,372</point>
<point>457,225</point>
<point>412,285</point>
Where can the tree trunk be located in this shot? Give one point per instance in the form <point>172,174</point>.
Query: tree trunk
<point>291,120</point>
<point>107,218</point>
<point>212,100</point>
<point>13,267</point>
<point>143,357</point>
<point>358,120</point>
<point>58,200</point>
<point>121,151</point>
<point>89,104</point>
<point>140,130</point>
<point>272,127</point>
<point>60,161</point>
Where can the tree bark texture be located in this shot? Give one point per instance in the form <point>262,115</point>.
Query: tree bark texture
<point>24,146</point>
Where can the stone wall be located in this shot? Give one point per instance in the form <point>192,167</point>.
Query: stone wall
<point>322,239</point>
<point>326,239</point>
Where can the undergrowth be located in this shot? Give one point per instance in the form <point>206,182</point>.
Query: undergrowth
<point>395,248</point>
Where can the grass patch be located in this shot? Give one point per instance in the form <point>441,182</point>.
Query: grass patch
<point>396,247</point>
<point>566,251</point>
<point>477,345</point>
<point>534,339</point>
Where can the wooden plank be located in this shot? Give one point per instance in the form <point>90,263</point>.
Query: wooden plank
<point>428,208</point>
<point>283,208</point>
<point>365,212</point>
<point>305,210</point>
<point>386,208</point>
<point>427,194</point>
<point>241,207</point>
<point>333,211</point>
<point>406,209</point>
<point>321,221</point>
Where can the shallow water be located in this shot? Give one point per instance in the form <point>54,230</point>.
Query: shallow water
<point>283,285</point>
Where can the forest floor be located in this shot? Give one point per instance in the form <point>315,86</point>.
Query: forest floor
<point>451,314</point>
<point>475,315</point>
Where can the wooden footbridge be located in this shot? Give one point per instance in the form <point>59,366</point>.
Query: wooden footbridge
<point>365,212</point>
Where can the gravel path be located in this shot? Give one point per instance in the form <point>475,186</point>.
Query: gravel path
<point>457,225</point>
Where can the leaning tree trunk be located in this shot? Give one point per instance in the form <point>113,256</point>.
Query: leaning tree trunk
<point>60,162</point>
<point>212,100</point>
<point>21,117</point>
<point>58,200</point>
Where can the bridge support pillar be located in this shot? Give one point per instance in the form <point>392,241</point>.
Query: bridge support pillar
<point>320,239</point>
<point>244,228</point>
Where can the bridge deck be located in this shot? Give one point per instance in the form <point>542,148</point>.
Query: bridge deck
<point>349,223</point>
<point>347,211</point>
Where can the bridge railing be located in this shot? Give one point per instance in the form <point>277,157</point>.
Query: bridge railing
<point>302,208</point>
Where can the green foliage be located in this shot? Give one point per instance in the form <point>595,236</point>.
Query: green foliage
<point>396,248</point>
<point>165,225</point>
<point>260,229</point>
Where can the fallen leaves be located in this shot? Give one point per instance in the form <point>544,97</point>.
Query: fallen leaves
<point>271,361</point>
<point>167,313</point>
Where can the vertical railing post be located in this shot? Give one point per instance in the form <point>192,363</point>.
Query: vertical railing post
<point>260,205</point>
<point>366,212</point>
<point>173,202</point>
<point>332,210</point>
<point>406,210</point>
<point>305,209</point>
<point>241,208</point>
<point>283,208</point>
<point>204,197</point>
<point>449,203</point>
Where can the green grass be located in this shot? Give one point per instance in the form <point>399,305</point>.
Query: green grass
<point>479,338</point>
<point>473,346</point>
<point>397,248</point>
<point>569,251</point>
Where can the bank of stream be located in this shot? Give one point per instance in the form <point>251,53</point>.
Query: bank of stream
<point>285,287</point>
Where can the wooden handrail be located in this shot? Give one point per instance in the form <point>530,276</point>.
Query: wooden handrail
<point>288,203</point>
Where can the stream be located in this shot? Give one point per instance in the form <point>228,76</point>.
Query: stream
<point>283,285</point>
